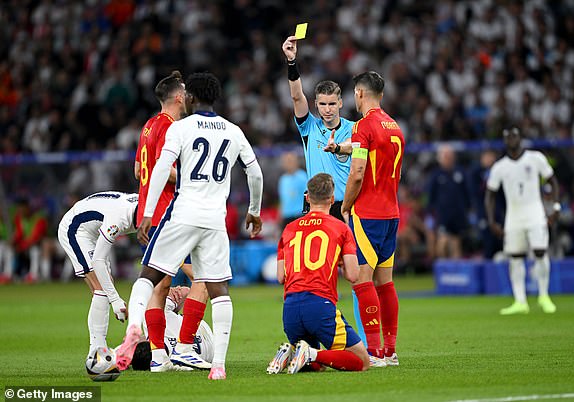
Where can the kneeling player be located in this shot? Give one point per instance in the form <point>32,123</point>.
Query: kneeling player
<point>86,233</point>
<point>307,257</point>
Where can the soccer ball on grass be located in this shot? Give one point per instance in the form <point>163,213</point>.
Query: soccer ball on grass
<point>101,365</point>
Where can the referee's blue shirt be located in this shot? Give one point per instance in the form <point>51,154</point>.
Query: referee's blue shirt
<point>315,136</point>
<point>291,190</point>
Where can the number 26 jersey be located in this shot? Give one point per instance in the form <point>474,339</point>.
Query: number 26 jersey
<point>207,147</point>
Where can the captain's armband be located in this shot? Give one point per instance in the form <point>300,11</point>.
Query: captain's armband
<point>360,153</point>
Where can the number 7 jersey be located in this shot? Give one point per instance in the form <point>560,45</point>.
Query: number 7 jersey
<point>207,147</point>
<point>378,139</point>
<point>311,247</point>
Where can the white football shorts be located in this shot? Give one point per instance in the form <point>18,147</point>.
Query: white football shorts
<point>172,242</point>
<point>518,241</point>
<point>79,247</point>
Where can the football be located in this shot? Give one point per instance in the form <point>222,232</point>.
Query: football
<point>101,365</point>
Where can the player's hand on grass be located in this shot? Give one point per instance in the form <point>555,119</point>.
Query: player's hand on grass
<point>331,145</point>
<point>143,231</point>
<point>496,229</point>
<point>290,48</point>
<point>120,310</point>
<point>256,224</point>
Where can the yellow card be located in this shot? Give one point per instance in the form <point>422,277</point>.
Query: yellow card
<point>301,31</point>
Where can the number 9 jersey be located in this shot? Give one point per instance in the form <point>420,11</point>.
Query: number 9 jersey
<point>311,247</point>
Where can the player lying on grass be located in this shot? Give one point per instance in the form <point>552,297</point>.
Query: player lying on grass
<point>86,233</point>
<point>203,344</point>
<point>307,257</point>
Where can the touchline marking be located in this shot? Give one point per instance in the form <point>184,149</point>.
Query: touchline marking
<point>519,398</point>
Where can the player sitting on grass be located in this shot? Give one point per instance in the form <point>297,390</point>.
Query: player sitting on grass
<point>307,257</point>
<point>203,344</point>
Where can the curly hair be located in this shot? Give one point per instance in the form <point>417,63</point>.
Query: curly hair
<point>168,85</point>
<point>204,86</point>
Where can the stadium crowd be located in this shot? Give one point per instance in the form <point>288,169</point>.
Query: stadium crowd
<point>80,76</point>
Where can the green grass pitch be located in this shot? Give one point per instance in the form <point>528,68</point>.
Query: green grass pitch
<point>450,348</point>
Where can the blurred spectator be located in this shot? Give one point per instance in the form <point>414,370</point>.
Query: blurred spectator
<point>30,228</point>
<point>415,240</point>
<point>449,203</point>
<point>292,186</point>
<point>478,176</point>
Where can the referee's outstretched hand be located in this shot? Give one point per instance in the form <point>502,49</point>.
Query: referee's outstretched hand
<point>256,224</point>
<point>331,145</point>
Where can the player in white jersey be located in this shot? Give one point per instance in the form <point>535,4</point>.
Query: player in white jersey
<point>86,233</point>
<point>206,146</point>
<point>526,223</point>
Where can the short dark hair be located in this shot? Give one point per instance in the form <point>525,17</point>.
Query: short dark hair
<point>327,87</point>
<point>371,80</point>
<point>204,86</point>
<point>167,85</point>
<point>142,356</point>
<point>321,188</point>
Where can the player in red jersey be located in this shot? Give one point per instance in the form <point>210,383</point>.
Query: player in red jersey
<point>371,200</point>
<point>307,257</point>
<point>171,94</point>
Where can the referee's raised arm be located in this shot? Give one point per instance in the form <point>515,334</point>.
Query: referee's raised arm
<point>300,105</point>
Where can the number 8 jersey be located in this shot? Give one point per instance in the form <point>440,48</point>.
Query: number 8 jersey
<point>311,247</point>
<point>151,141</point>
<point>207,147</point>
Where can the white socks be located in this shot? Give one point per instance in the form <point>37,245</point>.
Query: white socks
<point>222,316</point>
<point>98,319</point>
<point>139,298</point>
<point>542,272</point>
<point>518,279</point>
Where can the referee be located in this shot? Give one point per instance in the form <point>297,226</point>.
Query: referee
<point>327,138</point>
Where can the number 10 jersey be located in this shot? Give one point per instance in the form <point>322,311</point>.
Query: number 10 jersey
<point>311,247</point>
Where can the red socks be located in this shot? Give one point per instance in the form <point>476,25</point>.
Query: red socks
<point>340,360</point>
<point>370,315</point>
<point>389,303</point>
<point>193,311</point>
<point>155,321</point>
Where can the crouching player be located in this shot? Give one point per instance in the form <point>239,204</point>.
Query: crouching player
<point>86,233</point>
<point>307,257</point>
<point>202,345</point>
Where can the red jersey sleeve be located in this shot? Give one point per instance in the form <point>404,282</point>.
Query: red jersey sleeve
<point>360,137</point>
<point>280,252</point>
<point>349,245</point>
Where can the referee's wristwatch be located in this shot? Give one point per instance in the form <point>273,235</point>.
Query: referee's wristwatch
<point>557,207</point>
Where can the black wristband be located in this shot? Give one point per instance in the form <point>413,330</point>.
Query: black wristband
<point>337,149</point>
<point>292,70</point>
